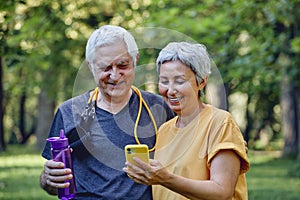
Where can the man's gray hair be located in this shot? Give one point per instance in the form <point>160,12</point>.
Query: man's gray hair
<point>193,55</point>
<point>106,35</point>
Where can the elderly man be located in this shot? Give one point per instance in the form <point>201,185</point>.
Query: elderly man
<point>100,122</point>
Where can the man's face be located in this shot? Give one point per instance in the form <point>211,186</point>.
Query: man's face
<point>113,70</point>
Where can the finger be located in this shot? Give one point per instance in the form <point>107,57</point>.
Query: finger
<point>139,178</point>
<point>133,170</point>
<point>137,170</point>
<point>142,180</point>
<point>58,182</point>
<point>154,163</point>
<point>129,172</point>
<point>58,172</point>
<point>53,164</point>
<point>141,171</point>
<point>60,179</point>
<point>148,174</point>
<point>133,167</point>
<point>140,163</point>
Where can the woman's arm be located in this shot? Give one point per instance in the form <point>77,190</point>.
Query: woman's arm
<point>224,171</point>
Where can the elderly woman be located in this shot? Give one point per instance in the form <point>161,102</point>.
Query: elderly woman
<point>201,152</point>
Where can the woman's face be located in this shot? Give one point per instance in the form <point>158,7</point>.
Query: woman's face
<point>178,86</point>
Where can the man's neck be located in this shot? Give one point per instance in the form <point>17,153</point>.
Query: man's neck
<point>113,105</point>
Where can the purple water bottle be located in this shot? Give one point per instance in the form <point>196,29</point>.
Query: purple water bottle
<point>61,153</point>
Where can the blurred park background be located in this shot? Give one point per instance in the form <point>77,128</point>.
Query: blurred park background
<point>255,45</point>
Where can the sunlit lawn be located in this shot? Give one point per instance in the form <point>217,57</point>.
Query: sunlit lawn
<point>20,168</point>
<point>268,179</point>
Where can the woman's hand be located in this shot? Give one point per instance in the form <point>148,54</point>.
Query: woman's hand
<point>148,174</point>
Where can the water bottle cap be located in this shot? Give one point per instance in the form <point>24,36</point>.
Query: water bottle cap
<point>59,142</point>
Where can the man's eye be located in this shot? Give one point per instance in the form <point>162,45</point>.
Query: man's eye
<point>100,68</point>
<point>122,66</point>
<point>107,68</point>
<point>104,68</point>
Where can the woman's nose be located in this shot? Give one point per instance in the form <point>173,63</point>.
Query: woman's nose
<point>171,89</point>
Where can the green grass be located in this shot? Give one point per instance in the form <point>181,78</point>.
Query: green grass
<point>268,178</point>
<point>20,168</point>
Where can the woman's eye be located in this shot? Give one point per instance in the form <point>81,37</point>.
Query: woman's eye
<point>180,82</point>
<point>164,82</point>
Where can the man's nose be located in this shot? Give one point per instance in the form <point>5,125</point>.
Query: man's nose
<point>114,73</point>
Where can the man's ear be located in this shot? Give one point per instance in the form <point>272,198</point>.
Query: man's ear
<point>136,58</point>
<point>90,66</point>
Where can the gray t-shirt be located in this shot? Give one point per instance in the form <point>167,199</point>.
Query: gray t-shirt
<point>98,160</point>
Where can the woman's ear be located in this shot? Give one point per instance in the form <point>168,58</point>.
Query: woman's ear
<point>203,83</point>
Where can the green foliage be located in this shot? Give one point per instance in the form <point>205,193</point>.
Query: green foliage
<point>253,43</point>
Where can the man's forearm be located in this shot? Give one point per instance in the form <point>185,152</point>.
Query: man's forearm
<point>43,183</point>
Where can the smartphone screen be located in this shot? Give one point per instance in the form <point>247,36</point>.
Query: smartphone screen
<point>137,150</point>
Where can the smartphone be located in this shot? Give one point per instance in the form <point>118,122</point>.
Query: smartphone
<point>137,150</point>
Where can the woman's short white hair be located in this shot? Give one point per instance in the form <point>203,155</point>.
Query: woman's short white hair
<point>192,55</point>
<point>108,34</point>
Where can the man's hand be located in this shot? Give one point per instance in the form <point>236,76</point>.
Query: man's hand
<point>54,176</point>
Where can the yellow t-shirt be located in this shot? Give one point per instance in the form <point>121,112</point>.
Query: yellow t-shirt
<point>189,151</point>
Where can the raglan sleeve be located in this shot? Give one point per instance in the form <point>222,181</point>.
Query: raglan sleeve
<point>229,136</point>
<point>56,126</point>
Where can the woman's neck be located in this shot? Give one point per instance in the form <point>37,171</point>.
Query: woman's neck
<point>184,120</point>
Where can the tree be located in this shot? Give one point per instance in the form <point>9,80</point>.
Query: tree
<point>54,52</point>
<point>6,23</point>
<point>249,41</point>
<point>2,141</point>
<point>246,40</point>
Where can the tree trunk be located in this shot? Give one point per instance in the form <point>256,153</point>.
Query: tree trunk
<point>298,121</point>
<point>216,90</point>
<point>22,116</point>
<point>249,121</point>
<point>2,141</point>
<point>289,120</point>
<point>45,116</point>
<point>216,95</point>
